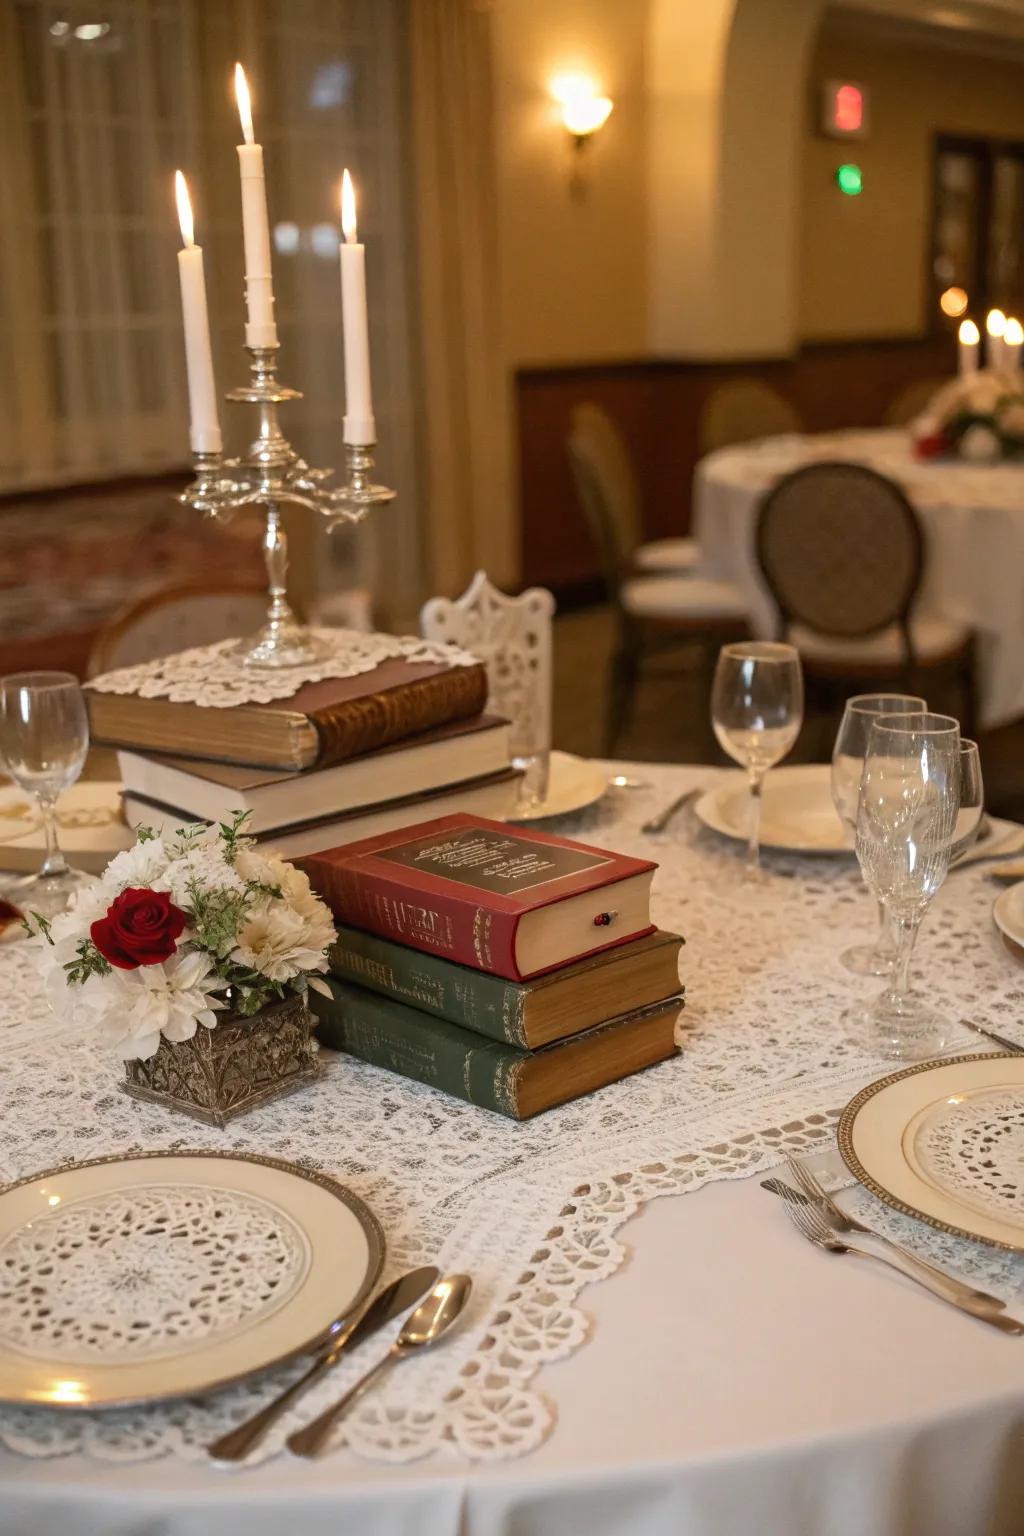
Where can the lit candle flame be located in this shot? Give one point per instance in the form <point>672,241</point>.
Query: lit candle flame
<point>188,234</point>
<point>244,103</point>
<point>995,322</point>
<point>348,208</point>
<point>969,333</point>
<point>1014,333</point>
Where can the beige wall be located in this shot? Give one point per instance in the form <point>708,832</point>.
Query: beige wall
<point>863,259</point>
<point>572,269</point>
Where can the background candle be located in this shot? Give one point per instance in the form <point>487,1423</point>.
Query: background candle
<point>359,423</point>
<point>1013,336</point>
<point>204,433</point>
<point>260,330</point>
<point>969,347</point>
<point>995,325</point>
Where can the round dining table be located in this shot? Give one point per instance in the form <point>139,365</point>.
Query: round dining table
<point>972,517</point>
<point>726,1377</point>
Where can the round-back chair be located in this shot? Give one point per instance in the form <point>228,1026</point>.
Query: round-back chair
<point>742,409</point>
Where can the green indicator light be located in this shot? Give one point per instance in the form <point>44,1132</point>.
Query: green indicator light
<point>849,180</point>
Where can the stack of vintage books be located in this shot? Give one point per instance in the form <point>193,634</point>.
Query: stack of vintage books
<point>339,760</point>
<point>512,968</point>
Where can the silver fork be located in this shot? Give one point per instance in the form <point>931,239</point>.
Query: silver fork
<point>659,822</point>
<point>840,1221</point>
<point>810,1223</point>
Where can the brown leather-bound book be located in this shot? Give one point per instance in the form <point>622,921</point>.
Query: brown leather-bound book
<point>320,724</point>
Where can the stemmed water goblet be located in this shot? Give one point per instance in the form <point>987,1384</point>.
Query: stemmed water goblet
<point>757,708</point>
<point>44,737</point>
<point>906,828</point>
<point>847,769</point>
<point>972,800</point>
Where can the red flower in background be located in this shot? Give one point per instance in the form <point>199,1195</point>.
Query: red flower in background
<point>140,928</point>
<point>931,447</point>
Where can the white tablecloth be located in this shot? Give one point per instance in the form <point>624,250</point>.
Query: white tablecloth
<point>973,521</point>
<point>737,1380</point>
<point>738,1383</point>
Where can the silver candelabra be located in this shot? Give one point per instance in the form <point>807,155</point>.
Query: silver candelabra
<point>271,474</point>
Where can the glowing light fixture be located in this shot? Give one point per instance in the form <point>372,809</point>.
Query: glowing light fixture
<point>584,109</point>
<point>844,109</point>
<point>849,179</point>
<point>953,302</point>
<point>92,31</point>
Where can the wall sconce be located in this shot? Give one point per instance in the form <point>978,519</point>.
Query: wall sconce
<point>583,111</point>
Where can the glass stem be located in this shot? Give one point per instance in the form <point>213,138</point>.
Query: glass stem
<point>756,779</point>
<point>887,943</point>
<point>54,862</point>
<point>906,936</point>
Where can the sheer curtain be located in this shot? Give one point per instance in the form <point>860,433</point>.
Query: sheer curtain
<point>101,102</point>
<point>466,409</point>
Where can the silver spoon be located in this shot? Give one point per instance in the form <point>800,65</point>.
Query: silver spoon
<point>430,1322</point>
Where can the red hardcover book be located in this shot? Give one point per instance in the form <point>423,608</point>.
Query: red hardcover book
<point>512,902</point>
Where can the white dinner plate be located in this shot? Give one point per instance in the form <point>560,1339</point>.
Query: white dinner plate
<point>1008,913</point>
<point>944,1141</point>
<point>573,784</point>
<point>89,823</point>
<point>165,1274</point>
<point>797,814</point>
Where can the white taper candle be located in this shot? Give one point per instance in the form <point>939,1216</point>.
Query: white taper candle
<point>969,347</point>
<point>1013,337</point>
<point>260,329</point>
<point>204,429</point>
<point>995,326</point>
<point>359,427</point>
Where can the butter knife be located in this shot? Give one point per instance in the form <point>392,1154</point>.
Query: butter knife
<point>394,1299</point>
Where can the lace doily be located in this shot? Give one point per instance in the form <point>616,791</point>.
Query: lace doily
<point>211,675</point>
<point>100,1279</point>
<point>975,1146</point>
<point>532,1210</point>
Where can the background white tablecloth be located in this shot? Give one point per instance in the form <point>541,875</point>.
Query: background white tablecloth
<point>973,521</point>
<point>737,1381</point>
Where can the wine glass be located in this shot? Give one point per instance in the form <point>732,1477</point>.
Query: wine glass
<point>972,800</point>
<point>847,768</point>
<point>906,825</point>
<point>757,708</point>
<point>44,736</point>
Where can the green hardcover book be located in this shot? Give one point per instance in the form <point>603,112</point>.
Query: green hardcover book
<point>526,1014</point>
<point>485,1072</point>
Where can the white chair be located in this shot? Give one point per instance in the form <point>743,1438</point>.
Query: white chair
<point>656,613</point>
<point>512,637</point>
<point>597,440</point>
<point>174,619</point>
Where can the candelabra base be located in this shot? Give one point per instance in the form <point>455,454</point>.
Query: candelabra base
<point>280,643</point>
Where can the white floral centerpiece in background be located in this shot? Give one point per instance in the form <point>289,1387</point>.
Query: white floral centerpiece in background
<point>181,935</point>
<point>979,418</point>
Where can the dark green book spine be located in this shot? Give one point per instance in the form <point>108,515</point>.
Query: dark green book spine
<point>431,1050</point>
<point>489,1005</point>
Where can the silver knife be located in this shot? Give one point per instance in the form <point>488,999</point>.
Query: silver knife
<point>660,822</point>
<point>394,1299</point>
<point>1007,1045</point>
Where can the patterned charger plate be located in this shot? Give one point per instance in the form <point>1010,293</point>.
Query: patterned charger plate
<point>160,1275</point>
<point>944,1141</point>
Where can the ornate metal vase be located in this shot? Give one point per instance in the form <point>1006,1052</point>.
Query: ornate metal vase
<point>224,1072</point>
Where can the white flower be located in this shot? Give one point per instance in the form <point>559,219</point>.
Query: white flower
<point>204,865</point>
<point>139,866</point>
<point>280,942</point>
<point>979,445</point>
<point>134,1008</point>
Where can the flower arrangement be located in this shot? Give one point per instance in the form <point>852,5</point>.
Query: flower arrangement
<point>979,417</point>
<point>178,930</point>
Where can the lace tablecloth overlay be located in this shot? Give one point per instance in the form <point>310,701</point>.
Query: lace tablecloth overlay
<point>209,675</point>
<point>531,1211</point>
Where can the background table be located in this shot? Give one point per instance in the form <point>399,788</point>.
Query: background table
<point>737,1381</point>
<point>973,522</point>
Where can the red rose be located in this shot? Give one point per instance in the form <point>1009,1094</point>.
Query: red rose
<point>931,447</point>
<point>140,928</point>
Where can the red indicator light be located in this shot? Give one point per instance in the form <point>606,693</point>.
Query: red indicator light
<point>848,111</point>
